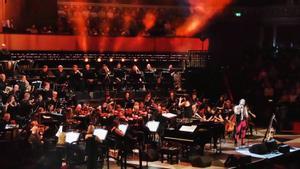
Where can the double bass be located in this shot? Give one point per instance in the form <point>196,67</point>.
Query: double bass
<point>230,124</point>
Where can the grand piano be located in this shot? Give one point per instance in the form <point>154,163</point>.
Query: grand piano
<point>195,134</point>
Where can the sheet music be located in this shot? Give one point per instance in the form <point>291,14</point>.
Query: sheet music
<point>123,127</point>
<point>100,133</point>
<point>59,131</point>
<point>72,136</point>
<point>11,126</point>
<point>152,125</point>
<point>189,129</point>
<point>56,114</point>
<point>169,115</point>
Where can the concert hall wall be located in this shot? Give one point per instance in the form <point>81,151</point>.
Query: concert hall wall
<point>42,12</point>
<point>101,44</point>
<point>27,12</point>
<point>13,10</point>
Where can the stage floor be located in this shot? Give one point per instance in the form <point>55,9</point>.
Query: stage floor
<point>26,162</point>
<point>228,148</point>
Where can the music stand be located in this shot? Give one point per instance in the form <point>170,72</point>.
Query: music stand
<point>11,126</point>
<point>37,84</point>
<point>100,133</point>
<point>189,129</point>
<point>72,137</point>
<point>152,126</point>
<point>123,128</point>
<point>169,115</point>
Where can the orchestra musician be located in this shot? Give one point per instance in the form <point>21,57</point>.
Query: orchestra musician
<point>220,103</point>
<point>26,105</point>
<point>46,91</point>
<point>54,100</point>
<point>24,84</point>
<point>60,75</point>
<point>119,76</point>
<point>127,101</point>
<point>36,137</point>
<point>149,75</point>
<point>5,120</point>
<point>89,77</point>
<point>198,114</point>
<point>241,113</point>
<point>11,106</point>
<point>185,104</point>
<point>91,147</point>
<point>104,77</point>
<point>195,99</point>
<point>3,82</point>
<point>75,79</point>
<point>16,92</point>
<point>135,77</point>
<point>39,102</point>
<point>217,120</point>
<point>215,116</point>
<point>45,74</point>
<point>61,78</point>
<point>172,103</point>
<point>70,120</point>
<point>149,101</point>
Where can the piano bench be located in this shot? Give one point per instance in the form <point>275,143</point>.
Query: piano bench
<point>171,152</point>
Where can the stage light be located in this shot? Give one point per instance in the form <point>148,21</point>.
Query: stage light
<point>86,59</point>
<point>135,59</point>
<point>123,60</point>
<point>111,59</point>
<point>238,14</point>
<point>147,60</point>
<point>99,59</point>
<point>3,45</point>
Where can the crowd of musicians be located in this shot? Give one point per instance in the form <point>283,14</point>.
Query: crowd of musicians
<point>118,78</point>
<point>36,108</point>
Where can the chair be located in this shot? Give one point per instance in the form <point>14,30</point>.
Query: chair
<point>171,152</point>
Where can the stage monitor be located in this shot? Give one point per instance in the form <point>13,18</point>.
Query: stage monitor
<point>100,133</point>
<point>153,125</point>
<point>189,129</point>
<point>72,137</point>
<point>123,128</point>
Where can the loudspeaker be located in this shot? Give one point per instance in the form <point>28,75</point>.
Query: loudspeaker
<point>271,145</point>
<point>235,161</point>
<point>284,148</point>
<point>200,161</point>
<point>259,149</point>
<point>151,155</point>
